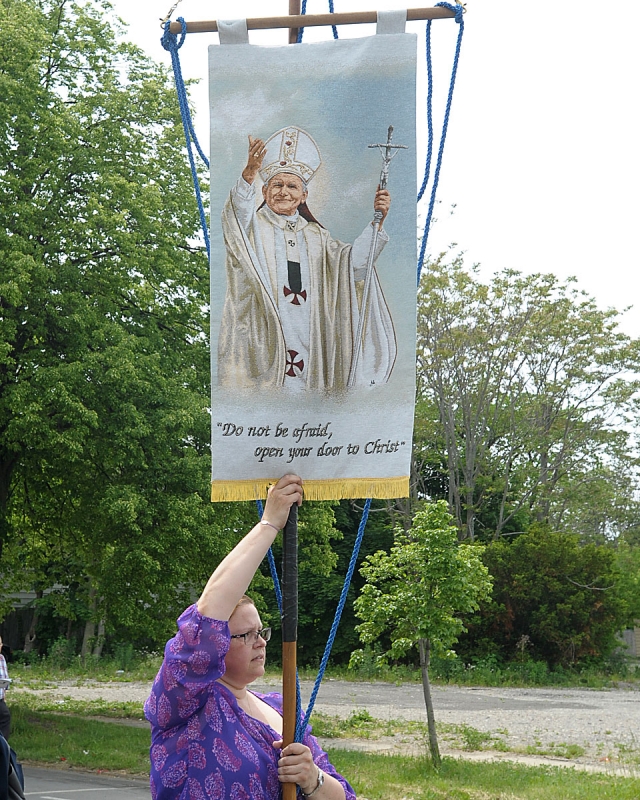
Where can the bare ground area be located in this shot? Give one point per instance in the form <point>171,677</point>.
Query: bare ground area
<point>590,729</point>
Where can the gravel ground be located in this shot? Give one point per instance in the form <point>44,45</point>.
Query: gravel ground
<point>542,725</point>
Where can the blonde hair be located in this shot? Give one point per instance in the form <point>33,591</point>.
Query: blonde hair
<point>245,600</point>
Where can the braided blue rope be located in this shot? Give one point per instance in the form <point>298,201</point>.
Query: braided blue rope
<point>302,723</point>
<point>303,10</point>
<point>278,591</point>
<point>333,27</point>
<point>459,11</point>
<point>272,564</point>
<point>427,166</point>
<point>170,43</point>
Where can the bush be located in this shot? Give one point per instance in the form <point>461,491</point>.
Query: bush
<point>61,654</point>
<point>123,655</point>
<point>554,600</point>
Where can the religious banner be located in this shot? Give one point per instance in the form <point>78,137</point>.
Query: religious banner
<point>313,266</point>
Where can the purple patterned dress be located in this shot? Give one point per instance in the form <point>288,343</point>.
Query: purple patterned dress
<point>203,745</point>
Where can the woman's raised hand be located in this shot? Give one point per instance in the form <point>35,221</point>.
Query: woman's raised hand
<point>287,491</point>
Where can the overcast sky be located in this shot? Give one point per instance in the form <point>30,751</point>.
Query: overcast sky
<point>542,159</point>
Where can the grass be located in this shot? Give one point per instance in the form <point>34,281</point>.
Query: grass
<point>360,724</point>
<point>85,708</point>
<point>42,672</point>
<point>48,738</point>
<point>377,777</point>
<point>81,743</point>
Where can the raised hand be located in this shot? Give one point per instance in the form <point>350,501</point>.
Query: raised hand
<point>255,158</point>
<point>382,203</point>
<point>286,492</point>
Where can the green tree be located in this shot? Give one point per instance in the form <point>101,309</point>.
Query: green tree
<point>566,598</point>
<point>417,592</point>
<point>321,582</point>
<point>104,429</point>
<point>628,563</point>
<point>532,386</point>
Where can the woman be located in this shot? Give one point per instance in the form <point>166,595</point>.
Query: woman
<point>5,682</point>
<point>212,738</point>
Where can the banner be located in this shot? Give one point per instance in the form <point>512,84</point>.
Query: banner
<point>313,307</point>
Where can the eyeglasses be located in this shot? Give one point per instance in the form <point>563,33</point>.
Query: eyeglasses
<point>251,637</point>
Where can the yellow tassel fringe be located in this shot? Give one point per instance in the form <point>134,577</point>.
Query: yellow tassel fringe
<point>342,488</point>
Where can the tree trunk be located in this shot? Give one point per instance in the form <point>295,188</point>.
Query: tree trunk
<point>99,641</point>
<point>88,638</point>
<point>30,637</point>
<point>7,465</point>
<point>89,626</point>
<point>425,658</point>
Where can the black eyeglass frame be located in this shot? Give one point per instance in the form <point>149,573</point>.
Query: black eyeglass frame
<point>265,634</point>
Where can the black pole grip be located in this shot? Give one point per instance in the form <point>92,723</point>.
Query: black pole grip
<point>290,577</point>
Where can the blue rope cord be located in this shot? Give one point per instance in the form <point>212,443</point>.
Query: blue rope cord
<point>302,723</point>
<point>333,27</point>
<point>272,564</point>
<point>459,11</point>
<point>427,166</point>
<point>278,591</point>
<point>303,10</point>
<point>170,43</point>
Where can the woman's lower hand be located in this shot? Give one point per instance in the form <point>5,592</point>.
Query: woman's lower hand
<point>286,492</point>
<point>296,766</point>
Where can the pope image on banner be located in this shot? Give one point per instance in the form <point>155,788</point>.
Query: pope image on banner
<point>313,265</point>
<point>293,303</point>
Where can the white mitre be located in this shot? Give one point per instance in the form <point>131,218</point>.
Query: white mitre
<point>290,150</point>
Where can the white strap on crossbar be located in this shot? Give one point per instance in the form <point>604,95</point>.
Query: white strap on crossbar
<point>391,21</point>
<point>233,31</point>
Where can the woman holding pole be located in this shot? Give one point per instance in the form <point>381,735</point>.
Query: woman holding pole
<point>213,738</point>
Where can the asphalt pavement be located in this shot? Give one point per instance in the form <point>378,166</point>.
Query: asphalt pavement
<point>57,784</point>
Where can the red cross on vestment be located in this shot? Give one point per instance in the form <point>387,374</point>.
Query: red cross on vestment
<point>292,297</point>
<point>294,368</point>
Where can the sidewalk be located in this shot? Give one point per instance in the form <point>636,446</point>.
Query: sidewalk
<point>66,784</point>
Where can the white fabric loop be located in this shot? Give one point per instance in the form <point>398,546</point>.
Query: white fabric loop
<point>233,31</point>
<point>391,21</point>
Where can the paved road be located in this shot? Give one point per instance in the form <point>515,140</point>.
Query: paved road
<point>56,784</point>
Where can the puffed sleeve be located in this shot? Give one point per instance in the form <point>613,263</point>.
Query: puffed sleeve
<point>193,659</point>
<point>243,199</point>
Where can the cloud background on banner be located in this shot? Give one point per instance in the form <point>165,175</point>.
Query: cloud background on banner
<point>326,108</point>
<point>345,106</point>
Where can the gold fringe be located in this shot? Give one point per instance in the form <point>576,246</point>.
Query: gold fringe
<point>339,489</point>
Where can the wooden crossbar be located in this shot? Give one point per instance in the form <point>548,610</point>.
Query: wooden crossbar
<point>314,20</point>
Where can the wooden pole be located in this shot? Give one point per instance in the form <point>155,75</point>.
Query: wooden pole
<point>313,20</point>
<point>294,11</point>
<point>290,585</point>
<point>289,635</point>
<point>290,588</point>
